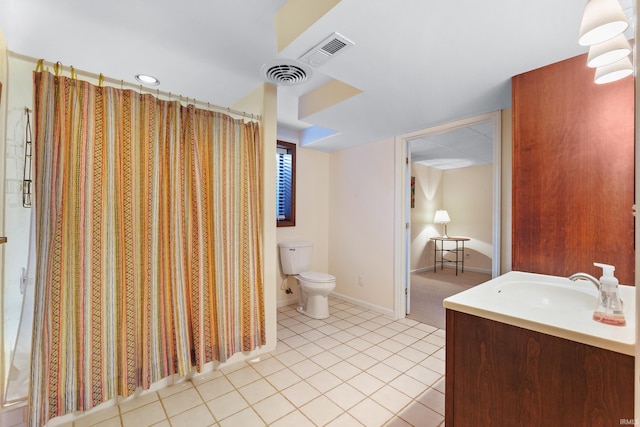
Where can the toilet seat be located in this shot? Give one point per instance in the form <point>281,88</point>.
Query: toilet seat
<point>312,276</point>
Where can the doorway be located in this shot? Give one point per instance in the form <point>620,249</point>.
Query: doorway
<point>407,240</point>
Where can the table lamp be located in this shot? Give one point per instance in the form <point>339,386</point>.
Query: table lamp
<point>442,217</point>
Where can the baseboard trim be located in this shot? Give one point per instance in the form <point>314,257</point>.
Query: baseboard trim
<point>466,268</point>
<point>286,302</point>
<point>384,311</point>
<point>354,301</point>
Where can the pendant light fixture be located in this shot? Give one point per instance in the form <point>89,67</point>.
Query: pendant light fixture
<point>612,72</point>
<point>602,20</point>
<point>602,28</point>
<point>608,52</point>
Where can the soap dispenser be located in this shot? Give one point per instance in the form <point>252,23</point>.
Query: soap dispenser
<point>609,309</point>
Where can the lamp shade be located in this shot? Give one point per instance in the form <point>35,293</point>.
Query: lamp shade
<point>602,20</point>
<point>442,217</point>
<point>612,72</point>
<point>608,52</point>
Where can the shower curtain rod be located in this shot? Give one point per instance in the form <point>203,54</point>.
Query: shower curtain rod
<point>100,78</point>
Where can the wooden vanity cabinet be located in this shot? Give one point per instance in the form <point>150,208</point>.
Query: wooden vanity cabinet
<point>503,375</point>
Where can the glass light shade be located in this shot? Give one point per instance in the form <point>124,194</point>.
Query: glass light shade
<point>612,72</point>
<point>602,20</point>
<point>442,217</point>
<point>608,52</point>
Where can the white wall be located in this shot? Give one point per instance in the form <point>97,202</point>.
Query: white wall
<point>428,199</point>
<point>361,224</point>
<point>468,197</point>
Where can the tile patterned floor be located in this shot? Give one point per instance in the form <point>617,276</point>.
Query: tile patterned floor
<point>356,368</point>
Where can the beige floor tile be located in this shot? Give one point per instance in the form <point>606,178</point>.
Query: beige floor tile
<point>194,417</point>
<point>398,362</point>
<point>405,339</point>
<point>418,414</point>
<point>294,419</point>
<point>300,393</point>
<point>180,402</point>
<point>408,385</point>
<point>366,383</point>
<point>324,381</point>
<point>362,361</point>
<point>425,347</point>
<point>326,359</point>
<point>391,398</point>
<point>374,337</point>
<point>345,396</point>
<point>344,370</point>
<point>206,376</point>
<point>273,408</point>
<point>111,422</point>
<point>257,391</point>
<point>97,417</point>
<point>243,376</point>
<point>175,388</point>
<point>391,346</point>
<point>306,368</point>
<point>424,375</point>
<point>344,420</point>
<point>134,402</point>
<point>144,416</point>
<point>268,366</point>
<point>321,410</point>
<point>246,417</point>
<point>371,413</point>
<point>283,379</point>
<point>432,399</point>
<point>434,364</point>
<point>383,372</point>
<point>229,404</point>
<point>397,422</point>
<point>290,357</point>
<point>310,349</point>
<point>343,351</point>
<point>214,388</point>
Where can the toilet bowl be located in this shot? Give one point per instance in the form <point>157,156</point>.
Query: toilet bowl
<point>313,288</point>
<point>313,296</point>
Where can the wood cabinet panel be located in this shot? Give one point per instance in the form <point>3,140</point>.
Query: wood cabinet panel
<point>573,171</point>
<point>502,375</point>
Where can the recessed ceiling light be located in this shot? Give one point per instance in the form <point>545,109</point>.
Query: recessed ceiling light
<point>148,80</point>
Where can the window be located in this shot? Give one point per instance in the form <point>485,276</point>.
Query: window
<point>286,185</point>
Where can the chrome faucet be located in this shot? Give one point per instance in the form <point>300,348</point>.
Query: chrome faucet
<point>585,276</point>
<point>596,283</point>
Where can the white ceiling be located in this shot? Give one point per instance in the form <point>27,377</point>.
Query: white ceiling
<point>458,148</point>
<point>419,63</point>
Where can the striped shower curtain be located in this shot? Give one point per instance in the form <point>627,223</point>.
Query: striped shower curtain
<point>148,242</point>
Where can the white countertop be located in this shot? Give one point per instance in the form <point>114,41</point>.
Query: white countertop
<point>551,305</point>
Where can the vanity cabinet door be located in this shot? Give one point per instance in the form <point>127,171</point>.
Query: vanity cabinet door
<point>502,375</point>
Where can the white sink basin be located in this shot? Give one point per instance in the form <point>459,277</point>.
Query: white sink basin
<point>549,296</point>
<point>552,305</point>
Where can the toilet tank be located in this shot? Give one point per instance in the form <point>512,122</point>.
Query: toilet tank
<point>295,257</point>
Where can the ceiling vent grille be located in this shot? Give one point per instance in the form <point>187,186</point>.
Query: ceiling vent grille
<point>282,73</point>
<point>326,49</point>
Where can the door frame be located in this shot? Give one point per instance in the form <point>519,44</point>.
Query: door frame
<point>402,194</point>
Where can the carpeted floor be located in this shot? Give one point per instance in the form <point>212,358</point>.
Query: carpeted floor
<point>429,289</point>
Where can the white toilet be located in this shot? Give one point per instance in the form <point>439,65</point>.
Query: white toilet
<point>313,288</point>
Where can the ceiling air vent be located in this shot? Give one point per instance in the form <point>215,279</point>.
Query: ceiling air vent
<point>286,73</point>
<point>326,49</point>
